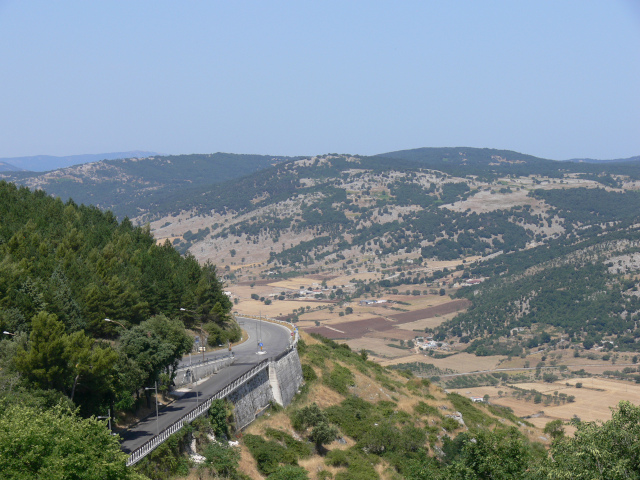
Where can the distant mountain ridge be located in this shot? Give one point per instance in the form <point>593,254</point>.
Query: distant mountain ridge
<point>47,163</point>
<point>591,160</point>
<point>490,161</point>
<point>157,185</point>
<point>7,167</point>
<point>134,186</point>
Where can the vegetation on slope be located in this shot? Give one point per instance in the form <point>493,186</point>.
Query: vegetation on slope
<point>490,164</point>
<point>149,185</point>
<point>64,269</point>
<point>365,422</point>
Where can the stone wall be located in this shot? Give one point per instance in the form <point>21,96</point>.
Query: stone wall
<point>250,398</point>
<point>289,375</point>
<point>278,383</point>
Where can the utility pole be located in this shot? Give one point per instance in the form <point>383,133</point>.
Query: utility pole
<point>157,421</point>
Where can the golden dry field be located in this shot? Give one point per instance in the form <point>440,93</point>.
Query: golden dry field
<point>377,345</point>
<point>592,402</point>
<point>460,362</point>
<point>432,322</point>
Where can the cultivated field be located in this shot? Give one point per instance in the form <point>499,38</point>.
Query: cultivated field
<point>370,327</point>
<point>592,402</point>
<point>459,362</point>
<point>378,345</point>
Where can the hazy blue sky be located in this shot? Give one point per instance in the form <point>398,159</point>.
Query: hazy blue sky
<point>554,78</point>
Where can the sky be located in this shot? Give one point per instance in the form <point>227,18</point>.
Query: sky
<point>558,79</point>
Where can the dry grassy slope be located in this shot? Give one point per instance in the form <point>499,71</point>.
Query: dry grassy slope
<point>364,189</point>
<point>387,385</point>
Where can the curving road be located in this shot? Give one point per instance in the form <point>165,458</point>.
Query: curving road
<point>275,338</point>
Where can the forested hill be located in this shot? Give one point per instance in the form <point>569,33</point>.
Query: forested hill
<point>134,186</point>
<point>83,265</point>
<point>489,163</point>
<point>156,186</point>
<point>64,269</point>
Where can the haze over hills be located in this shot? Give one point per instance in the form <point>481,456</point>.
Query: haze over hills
<point>155,185</point>
<point>46,163</point>
<point>505,210</point>
<point>493,257</point>
<point>135,186</point>
<point>6,167</point>
<point>590,160</point>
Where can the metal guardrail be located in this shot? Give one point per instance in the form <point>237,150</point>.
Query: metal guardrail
<point>288,325</point>
<point>142,451</point>
<point>204,363</point>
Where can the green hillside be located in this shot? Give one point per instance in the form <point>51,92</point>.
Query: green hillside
<point>135,186</point>
<point>64,269</point>
<point>355,420</point>
<point>490,163</point>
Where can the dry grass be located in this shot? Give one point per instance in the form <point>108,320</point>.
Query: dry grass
<point>377,345</point>
<point>297,282</point>
<point>278,307</point>
<point>486,201</point>
<point>592,402</point>
<point>324,315</point>
<point>461,362</point>
<point>417,302</point>
<point>432,322</point>
<point>393,334</point>
<point>277,421</point>
<point>248,465</point>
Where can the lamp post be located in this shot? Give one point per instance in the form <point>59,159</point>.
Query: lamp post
<point>113,321</point>
<point>9,333</point>
<point>204,342</point>
<point>157,421</point>
<point>107,417</point>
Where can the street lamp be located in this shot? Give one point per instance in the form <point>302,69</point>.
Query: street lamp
<point>157,421</point>
<point>107,417</point>
<point>9,333</point>
<point>113,321</point>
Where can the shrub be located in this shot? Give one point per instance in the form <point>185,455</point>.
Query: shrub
<point>340,379</point>
<point>337,458</point>
<point>218,415</point>
<point>425,409</point>
<point>307,417</point>
<point>450,424</point>
<point>323,433</point>
<point>300,449</point>
<point>289,472</point>
<point>358,466</point>
<point>222,458</point>
<point>269,454</point>
<point>308,373</point>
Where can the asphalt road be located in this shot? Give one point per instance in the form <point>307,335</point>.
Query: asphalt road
<point>275,338</point>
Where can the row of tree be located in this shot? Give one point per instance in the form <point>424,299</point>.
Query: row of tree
<point>64,269</point>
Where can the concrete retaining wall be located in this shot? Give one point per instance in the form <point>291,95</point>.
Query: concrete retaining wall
<point>278,383</point>
<point>187,375</point>
<point>289,374</point>
<point>276,380</point>
<point>251,398</point>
